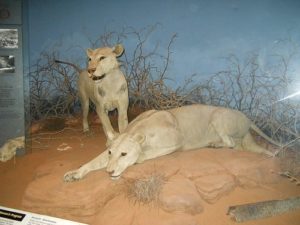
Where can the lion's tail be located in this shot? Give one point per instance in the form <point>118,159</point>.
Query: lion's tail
<point>261,133</point>
<point>70,64</point>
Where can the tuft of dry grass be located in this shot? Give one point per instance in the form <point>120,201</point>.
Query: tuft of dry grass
<point>145,190</point>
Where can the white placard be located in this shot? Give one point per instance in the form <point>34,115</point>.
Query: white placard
<point>10,216</point>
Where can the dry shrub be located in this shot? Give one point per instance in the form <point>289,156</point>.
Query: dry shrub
<point>244,84</point>
<point>256,91</point>
<point>145,190</point>
<point>53,90</point>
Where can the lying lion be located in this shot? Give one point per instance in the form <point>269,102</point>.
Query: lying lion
<point>157,133</point>
<point>105,85</point>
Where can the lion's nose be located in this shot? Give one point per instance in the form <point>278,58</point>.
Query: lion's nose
<point>91,71</point>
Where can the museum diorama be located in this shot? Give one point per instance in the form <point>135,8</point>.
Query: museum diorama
<point>149,112</point>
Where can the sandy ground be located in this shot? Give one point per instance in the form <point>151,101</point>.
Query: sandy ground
<point>33,182</point>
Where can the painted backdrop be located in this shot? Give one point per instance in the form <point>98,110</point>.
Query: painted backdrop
<point>207,30</point>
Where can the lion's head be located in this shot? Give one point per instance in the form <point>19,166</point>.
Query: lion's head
<point>123,152</point>
<point>103,60</point>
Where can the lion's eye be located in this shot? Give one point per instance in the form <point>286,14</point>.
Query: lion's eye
<point>89,59</point>
<point>109,152</point>
<point>101,58</point>
<point>123,153</point>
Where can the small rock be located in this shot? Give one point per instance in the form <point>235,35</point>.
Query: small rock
<point>180,194</point>
<point>213,187</point>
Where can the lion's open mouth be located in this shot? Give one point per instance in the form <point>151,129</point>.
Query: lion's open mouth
<point>94,77</point>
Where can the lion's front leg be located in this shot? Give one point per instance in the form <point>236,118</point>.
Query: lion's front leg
<point>109,131</point>
<point>95,164</point>
<point>122,118</point>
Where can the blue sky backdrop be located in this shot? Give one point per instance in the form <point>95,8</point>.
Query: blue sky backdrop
<point>208,30</point>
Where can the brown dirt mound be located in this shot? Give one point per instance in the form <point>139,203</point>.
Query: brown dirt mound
<point>197,187</point>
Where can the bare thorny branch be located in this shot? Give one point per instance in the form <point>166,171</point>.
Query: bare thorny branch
<point>243,85</point>
<point>52,88</point>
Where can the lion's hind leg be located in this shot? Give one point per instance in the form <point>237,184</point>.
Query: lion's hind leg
<point>225,142</point>
<point>222,139</point>
<point>249,144</point>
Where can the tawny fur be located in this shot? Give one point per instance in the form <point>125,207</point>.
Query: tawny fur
<point>108,93</point>
<point>157,133</point>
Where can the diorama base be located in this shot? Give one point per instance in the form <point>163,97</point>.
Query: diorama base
<point>184,188</point>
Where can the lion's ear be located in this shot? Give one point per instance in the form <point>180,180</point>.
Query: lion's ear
<point>118,50</point>
<point>140,138</point>
<point>89,51</point>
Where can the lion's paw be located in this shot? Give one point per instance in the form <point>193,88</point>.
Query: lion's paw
<point>72,176</point>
